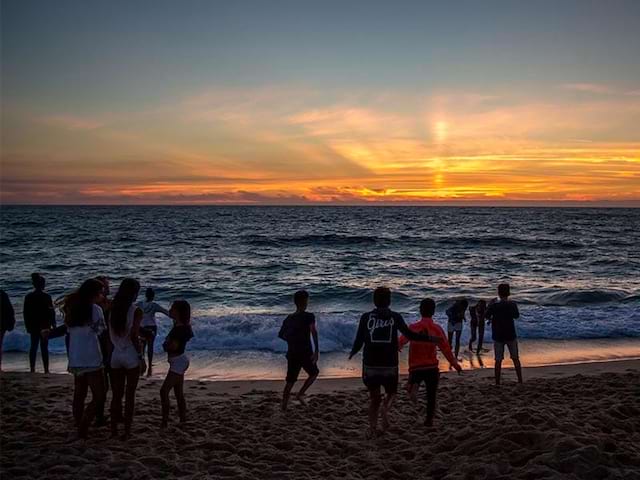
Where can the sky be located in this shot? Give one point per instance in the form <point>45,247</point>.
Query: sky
<point>254,102</point>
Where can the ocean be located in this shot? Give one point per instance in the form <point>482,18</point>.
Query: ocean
<point>573,271</point>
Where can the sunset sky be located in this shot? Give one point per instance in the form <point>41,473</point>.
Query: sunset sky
<point>273,102</point>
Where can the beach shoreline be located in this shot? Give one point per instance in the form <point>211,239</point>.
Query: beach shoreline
<point>569,421</point>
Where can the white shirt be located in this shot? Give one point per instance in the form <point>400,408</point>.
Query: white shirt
<point>149,310</point>
<point>84,346</point>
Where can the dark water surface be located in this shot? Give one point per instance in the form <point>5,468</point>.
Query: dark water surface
<point>574,271</point>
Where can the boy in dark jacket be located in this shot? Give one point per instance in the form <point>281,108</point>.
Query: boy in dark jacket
<point>39,318</point>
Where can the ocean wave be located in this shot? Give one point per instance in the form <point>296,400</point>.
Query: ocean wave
<point>258,331</point>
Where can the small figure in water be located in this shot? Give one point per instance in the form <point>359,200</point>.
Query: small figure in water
<point>455,314</point>
<point>297,330</point>
<point>149,327</point>
<point>477,314</point>
<point>175,345</point>
<point>423,358</point>
<point>502,314</point>
<point>378,333</point>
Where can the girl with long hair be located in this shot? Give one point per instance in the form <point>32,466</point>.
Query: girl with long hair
<point>175,345</point>
<point>85,322</point>
<point>126,356</point>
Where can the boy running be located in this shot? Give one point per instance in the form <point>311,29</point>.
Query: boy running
<point>423,358</point>
<point>502,314</point>
<point>378,333</point>
<point>296,330</point>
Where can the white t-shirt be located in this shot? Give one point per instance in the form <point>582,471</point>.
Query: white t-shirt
<point>84,346</point>
<point>149,310</point>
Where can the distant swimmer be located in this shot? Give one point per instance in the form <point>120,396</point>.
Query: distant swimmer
<point>297,330</point>
<point>423,358</point>
<point>455,316</point>
<point>175,345</point>
<point>39,319</point>
<point>477,313</point>
<point>149,328</point>
<point>502,314</point>
<point>126,356</point>
<point>378,333</point>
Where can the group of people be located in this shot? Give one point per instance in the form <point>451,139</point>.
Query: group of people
<point>106,340</point>
<point>382,333</point>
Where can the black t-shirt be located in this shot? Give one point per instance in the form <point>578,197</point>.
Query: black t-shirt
<point>296,331</point>
<point>180,334</point>
<point>502,315</point>
<point>378,332</point>
<point>38,312</point>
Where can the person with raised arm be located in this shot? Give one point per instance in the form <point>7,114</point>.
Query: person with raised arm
<point>149,327</point>
<point>423,358</point>
<point>378,334</point>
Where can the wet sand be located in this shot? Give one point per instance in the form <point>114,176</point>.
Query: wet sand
<point>572,421</point>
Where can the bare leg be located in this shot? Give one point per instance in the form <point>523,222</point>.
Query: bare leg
<point>132,377</point>
<point>118,378</point>
<point>374,408</point>
<point>169,383</point>
<point>44,351</point>
<point>178,391</point>
<point>149,343</point>
<point>305,387</point>
<point>286,394</point>
<point>498,369</point>
<point>516,363</point>
<point>80,388</point>
<point>96,384</point>
<point>33,351</point>
<point>388,403</point>
<point>450,338</point>
<point>413,392</point>
<point>458,332</point>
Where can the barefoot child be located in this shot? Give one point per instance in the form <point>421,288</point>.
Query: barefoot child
<point>378,333</point>
<point>423,358</point>
<point>149,327</point>
<point>502,314</point>
<point>296,330</point>
<point>174,345</point>
<point>476,324</point>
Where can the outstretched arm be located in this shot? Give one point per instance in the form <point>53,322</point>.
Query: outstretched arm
<point>414,336</point>
<point>159,309</point>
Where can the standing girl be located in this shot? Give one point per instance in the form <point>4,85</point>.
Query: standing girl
<point>85,322</point>
<point>174,345</point>
<point>126,357</point>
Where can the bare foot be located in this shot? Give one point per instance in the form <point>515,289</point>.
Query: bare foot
<point>301,399</point>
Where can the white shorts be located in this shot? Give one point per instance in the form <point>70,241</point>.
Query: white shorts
<point>498,349</point>
<point>179,364</point>
<point>127,359</point>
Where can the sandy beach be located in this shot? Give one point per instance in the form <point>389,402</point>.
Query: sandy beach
<point>572,421</point>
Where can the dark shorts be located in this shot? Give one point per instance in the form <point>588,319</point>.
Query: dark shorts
<point>376,377</point>
<point>429,376</point>
<point>295,363</point>
<point>148,332</point>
